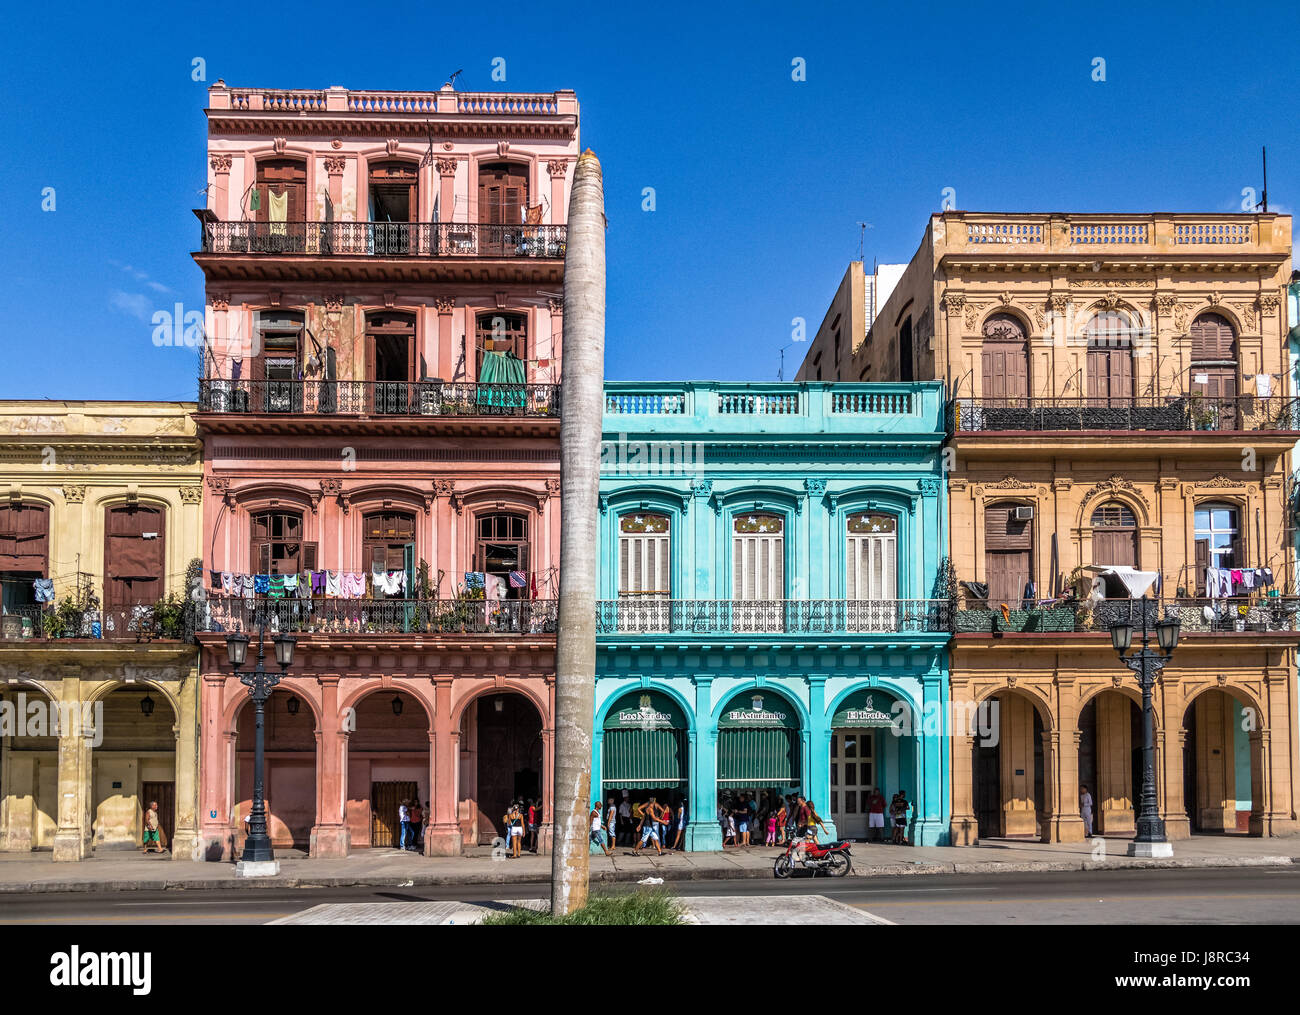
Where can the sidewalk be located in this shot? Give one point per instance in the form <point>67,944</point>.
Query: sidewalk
<point>391,868</point>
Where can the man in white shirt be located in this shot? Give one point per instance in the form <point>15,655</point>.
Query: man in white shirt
<point>404,819</point>
<point>625,818</point>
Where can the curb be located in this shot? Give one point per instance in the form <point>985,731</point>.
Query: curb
<point>614,877</point>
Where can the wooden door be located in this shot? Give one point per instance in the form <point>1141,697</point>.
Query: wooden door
<point>281,205</point>
<point>1114,536</point>
<point>502,198</point>
<point>852,778</point>
<point>385,799</point>
<point>987,791</point>
<point>1004,361</point>
<point>134,545</point>
<point>1214,370</point>
<point>24,538</point>
<point>1110,377</point>
<point>165,794</point>
<point>1008,554</point>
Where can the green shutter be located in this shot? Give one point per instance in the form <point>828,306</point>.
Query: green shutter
<point>758,756</point>
<point>641,757</point>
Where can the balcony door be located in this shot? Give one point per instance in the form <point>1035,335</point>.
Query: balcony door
<point>276,386</point>
<point>394,207</point>
<point>24,552</point>
<point>390,361</point>
<point>1114,535</point>
<point>1110,360</point>
<point>1008,554</point>
<point>1214,370</point>
<point>388,545</point>
<point>758,572</point>
<point>644,575</point>
<point>278,201</point>
<point>871,571</point>
<point>277,544</point>
<point>502,202</point>
<point>134,556</point>
<point>501,554</point>
<point>1004,361</point>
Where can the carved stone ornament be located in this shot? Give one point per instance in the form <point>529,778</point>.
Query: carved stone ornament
<point>444,304</point>
<point>74,494</point>
<point>280,144</point>
<point>557,167</point>
<point>333,303</point>
<point>1116,484</point>
<point>953,302</point>
<point>393,146</point>
<point>815,487</point>
<point>446,167</point>
<point>191,494</point>
<point>335,164</point>
<point>973,311</point>
<point>220,162</point>
<point>1165,303</point>
<point>219,301</point>
<point>1268,304</point>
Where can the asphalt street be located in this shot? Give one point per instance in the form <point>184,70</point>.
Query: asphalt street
<point>1252,895</point>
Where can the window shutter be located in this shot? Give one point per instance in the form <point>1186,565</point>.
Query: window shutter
<point>309,557</point>
<point>737,568</point>
<point>1202,562</point>
<point>624,577</point>
<point>777,549</point>
<point>263,558</point>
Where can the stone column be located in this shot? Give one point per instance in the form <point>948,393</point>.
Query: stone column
<point>186,842</point>
<point>447,192</point>
<point>1277,746</point>
<point>702,832</point>
<point>546,831</point>
<point>817,780</point>
<point>443,837</point>
<point>18,789</point>
<point>72,839</point>
<point>1061,784</point>
<point>963,827</point>
<point>1114,790</point>
<point>930,807</point>
<point>331,837</point>
<point>334,166</point>
<point>219,200</point>
<point>557,341</point>
<point>446,354</point>
<point>558,168</point>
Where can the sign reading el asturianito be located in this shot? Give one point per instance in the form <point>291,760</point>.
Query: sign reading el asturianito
<point>762,710</point>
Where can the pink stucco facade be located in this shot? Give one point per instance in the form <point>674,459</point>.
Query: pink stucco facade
<point>365,255</point>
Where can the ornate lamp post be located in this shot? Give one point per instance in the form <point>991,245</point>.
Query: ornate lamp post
<point>1147,664</point>
<point>258,859</point>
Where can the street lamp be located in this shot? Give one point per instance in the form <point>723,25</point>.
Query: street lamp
<point>1150,840</point>
<point>258,859</point>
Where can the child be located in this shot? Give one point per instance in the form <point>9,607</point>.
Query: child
<point>731,831</point>
<point>771,830</point>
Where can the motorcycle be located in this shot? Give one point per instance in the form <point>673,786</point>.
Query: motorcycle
<point>831,857</point>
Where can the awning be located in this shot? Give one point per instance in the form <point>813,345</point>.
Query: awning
<point>1133,582</point>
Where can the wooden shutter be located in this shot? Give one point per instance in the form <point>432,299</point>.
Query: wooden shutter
<point>309,557</point>
<point>503,193</point>
<point>1003,532</point>
<point>25,539</point>
<point>1004,359</point>
<point>1212,338</point>
<point>1202,562</point>
<point>262,557</point>
<point>1008,572</point>
<point>133,565</point>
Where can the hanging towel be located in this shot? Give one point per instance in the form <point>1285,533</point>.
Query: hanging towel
<point>333,584</point>
<point>1263,385</point>
<point>1236,577</point>
<point>518,580</point>
<point>1225,583</point>
<point>317,583</point>
<point>261,582</point>
<point>248,584</point>
<point>379,582</point>
<point>304,585</point>
<point>1248,578</point>
<point>229,583</point>
<point>473,579</point>
<point>399,582</point>
<point>1212,582</point>
<point>290,584</point>
<point>275,586</point>
<point>494,587</point>
<point>278,212</point>
<point>214,579</point>
<point>1266,575</point>
<point>354,585</point>
<point>43,589</point>
<point>532,580</point>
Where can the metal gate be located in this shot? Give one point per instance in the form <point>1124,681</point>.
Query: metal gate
<point>385,799</point>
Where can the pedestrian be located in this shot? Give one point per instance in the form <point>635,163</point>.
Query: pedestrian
<point>899,811</point>
<point>624,821</point>
<point>417,819</point>
<point>801,813</point>
<point>597,833</point>
<point>742,821</point>
<point>680,823</point>
<point>729,829</point>
<point>516,829</point>
<point>649,823</point>
<point>1085,810</point>
<point>771,828</point>
<point>152,839</point>
<point>611,822</point>
<point>782,816</point>
<point>808,834</point>
<point>876,816</point>
<point>403,823</point>
<point>665,817</point>
<point>532,825</point>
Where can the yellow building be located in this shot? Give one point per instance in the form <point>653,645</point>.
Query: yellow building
<point>1120,422</point>
<point>100,521</point>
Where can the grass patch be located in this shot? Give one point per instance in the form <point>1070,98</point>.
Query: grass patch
<point>636,909</point>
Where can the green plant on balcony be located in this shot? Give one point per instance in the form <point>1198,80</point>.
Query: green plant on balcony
<point>1205,416</point>
<point>169,616</point>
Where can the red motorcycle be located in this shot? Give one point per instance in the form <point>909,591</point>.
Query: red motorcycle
<point>831,857</point>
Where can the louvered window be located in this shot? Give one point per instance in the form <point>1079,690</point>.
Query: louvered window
<point>758,572</point>
<point>871,569</point>
<point>644,571</point>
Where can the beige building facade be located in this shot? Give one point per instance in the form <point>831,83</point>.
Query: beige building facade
<point>100,521</point>
<point>1120,424</point>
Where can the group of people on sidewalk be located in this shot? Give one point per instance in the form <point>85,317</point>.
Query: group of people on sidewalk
<point>521,822</point>
<point>634,824</point>
<point>781,819</point>
<point>411,820</point>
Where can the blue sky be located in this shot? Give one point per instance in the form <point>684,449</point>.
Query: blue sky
<point>759,180</point>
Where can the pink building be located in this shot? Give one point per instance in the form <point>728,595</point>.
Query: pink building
<point>379,403</point>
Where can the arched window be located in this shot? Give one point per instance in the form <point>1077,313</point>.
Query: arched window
<point>1110,359</point>
<point>1008,552</point>
<point>277,365</point>
<point>24,551</point>
<point>504,334</point>
<point>134,555</point>
<point>758,557</point>
<point>388,543</point>
<point>1004,360</point>
<point>871,556</point>
<point>278,201</point>
<point>501,553</point>
<point>277,546</point>
<point>1218,543</point>
<point>644,555</point>
<point>1214,370</point>
<point>1114,535</point>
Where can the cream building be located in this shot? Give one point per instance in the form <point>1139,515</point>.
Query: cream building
<point>98,687</point>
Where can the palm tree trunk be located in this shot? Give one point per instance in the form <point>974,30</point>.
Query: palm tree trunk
<point>582,402</point>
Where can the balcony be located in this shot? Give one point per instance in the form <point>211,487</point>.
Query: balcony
<point>385,239</point>
<point>688,617</point>
<point>1267,614</point>
<point>143,623</point>
<point>360,617</point>
<point>1157,413</point>
<point>377,399</point>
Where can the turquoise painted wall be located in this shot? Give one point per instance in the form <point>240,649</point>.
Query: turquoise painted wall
<point>705,454</point>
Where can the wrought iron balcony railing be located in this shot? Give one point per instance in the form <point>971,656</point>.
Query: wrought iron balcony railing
<point>377,398</point>
<point>139,623</point>
<point>642,615</point>
<point>1160,412</point>
<point>1197,616</point>
<point>385,239</point>
<point>379,616</point>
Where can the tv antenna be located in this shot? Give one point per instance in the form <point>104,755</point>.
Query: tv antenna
<point>1264,197</point>
<point>452,80</point>
<point>862,236</point>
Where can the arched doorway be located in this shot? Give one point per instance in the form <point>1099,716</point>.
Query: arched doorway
<point>1214,365</point>
<point>388,763</point>
<point>1010,799</point>
<point>289,784</point>
<point>133,766</point>
<point>1219,763</point>
<point>1110,359</point>
<point>1004,362</point>
<point>644,751</point>
<point>760,755</point>
<point>29,769</point>
<point>501,760</point>
<point>1110,760</point>
<point>867,754</point>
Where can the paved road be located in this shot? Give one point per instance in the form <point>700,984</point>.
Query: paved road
<point>1245,895</point>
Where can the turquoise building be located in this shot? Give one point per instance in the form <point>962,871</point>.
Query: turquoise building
<point>771,614</point>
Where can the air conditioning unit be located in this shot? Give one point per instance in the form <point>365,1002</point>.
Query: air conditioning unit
<point>1023,514</point>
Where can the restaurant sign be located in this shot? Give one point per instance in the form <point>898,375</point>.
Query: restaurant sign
<point>866,709</point>
<point>645,710</point>
<point>763,710</point>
